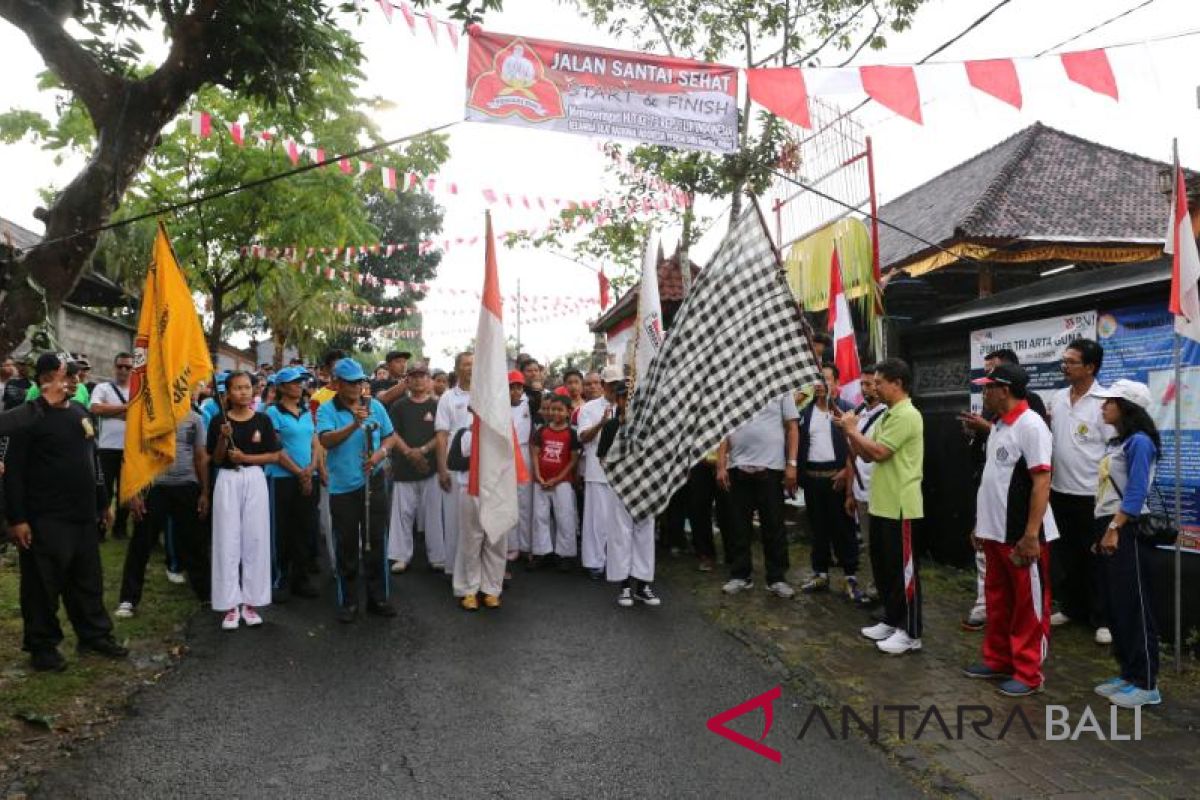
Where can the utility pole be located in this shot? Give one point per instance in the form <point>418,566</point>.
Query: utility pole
<point>518,316</point>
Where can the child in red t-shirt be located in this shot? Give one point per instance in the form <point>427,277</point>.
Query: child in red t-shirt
<point>555,455</point>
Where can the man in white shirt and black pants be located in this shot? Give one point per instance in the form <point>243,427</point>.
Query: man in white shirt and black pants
<point>757,464</point>
<point>1080,437</point>
<point>109,402</point>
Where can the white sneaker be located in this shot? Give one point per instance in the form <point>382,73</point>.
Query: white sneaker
<point>898,643</point>
<point>736,585</point>
<point>175,577</point>
<point>1103,636</point>
<point>1059,618</point>
<point>233,618</point>
<point>251,616</point>
<point>124,609</point>
<point>878,632</point>
<point>781,589</point>
<point>625,598</point>
<point>399,567</point>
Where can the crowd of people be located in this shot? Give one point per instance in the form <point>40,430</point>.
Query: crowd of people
<point>277,472</point>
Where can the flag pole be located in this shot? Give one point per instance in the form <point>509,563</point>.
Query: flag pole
<point>1176,337</point>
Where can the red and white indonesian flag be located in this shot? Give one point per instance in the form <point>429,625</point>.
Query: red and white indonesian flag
<point>1185,266</point>
<point>496,463</point>
<point>650,322</point>
<point>841,327</point>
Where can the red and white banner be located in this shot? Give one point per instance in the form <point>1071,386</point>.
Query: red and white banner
<point>496,463</point>
<point>596,91</point>
<point>1185,264</point>
<point>841,326</point>
<point>785,91</point>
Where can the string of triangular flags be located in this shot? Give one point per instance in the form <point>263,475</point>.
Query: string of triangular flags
<point>785,91</point>
<point>202,126</point>
<point>433,23</point>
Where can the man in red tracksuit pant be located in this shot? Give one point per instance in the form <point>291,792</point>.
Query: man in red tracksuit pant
<point>1013,527</point>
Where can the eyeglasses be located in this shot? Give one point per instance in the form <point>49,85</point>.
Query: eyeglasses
<point>1071,362</point>
<point>123,366</point>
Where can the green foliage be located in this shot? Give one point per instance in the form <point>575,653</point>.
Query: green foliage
<point>318,208</point>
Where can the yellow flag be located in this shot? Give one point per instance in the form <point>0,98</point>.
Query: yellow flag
<point>170,357</point>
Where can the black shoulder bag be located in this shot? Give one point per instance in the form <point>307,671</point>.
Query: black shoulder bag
<point>1155,528</point>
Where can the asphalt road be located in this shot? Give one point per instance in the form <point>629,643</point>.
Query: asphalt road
<point>560,693</point>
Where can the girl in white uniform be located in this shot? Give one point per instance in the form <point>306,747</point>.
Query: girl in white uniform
<point>241,441</point>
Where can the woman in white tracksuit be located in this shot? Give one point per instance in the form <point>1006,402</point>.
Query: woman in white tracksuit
<point>241,441</point>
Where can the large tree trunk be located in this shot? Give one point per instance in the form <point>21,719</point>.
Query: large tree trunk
<point>279,340</point>
<point>84,205</point>
<point>218,322</point>
<point>127,116</point>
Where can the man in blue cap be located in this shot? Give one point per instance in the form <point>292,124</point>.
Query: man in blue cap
<point>357,435</point>
<point>291,485</point>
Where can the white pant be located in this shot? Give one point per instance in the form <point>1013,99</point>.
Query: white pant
<point>631,548</point>
<point>601,514</point>
<point>241,538</point>
<point>413,501</point>
<point>518,539</point>
<point>441,524</point>
<point>478,564</point>
<point>558,535</point>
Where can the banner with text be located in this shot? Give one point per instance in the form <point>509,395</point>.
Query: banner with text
<point>535,83</point>
<point>1139,345</point>
<point>1038,343</point>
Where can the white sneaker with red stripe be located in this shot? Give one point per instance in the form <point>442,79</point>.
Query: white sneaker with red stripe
<point>251,616</point>
<point>233,618</point>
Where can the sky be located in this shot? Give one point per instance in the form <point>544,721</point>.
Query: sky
<point>425,80</point>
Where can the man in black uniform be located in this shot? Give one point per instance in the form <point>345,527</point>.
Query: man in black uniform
<point>55,494</point>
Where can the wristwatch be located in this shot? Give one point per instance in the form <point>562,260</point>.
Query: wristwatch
<point>1113,526</point>
<point>791,462</point>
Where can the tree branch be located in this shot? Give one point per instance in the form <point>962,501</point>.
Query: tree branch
<point>68,59</point>
<point>658,26</point>
<point>867,39</point>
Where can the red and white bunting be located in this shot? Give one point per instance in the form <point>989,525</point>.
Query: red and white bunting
<point>785,91</point>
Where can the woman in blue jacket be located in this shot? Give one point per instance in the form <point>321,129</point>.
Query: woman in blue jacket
<point>1126,475</point>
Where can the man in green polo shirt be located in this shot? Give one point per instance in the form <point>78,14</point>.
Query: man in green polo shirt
<point>896,445</point>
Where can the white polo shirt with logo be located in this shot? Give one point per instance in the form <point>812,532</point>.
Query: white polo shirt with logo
<point>1080,437</point>
<point>454,414</point>
<point>1018,447</point>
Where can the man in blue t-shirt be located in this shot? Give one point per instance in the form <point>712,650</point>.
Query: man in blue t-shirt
<point>343,427</point>
<point>291,486</point>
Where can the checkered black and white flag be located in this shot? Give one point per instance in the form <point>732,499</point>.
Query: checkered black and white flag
<point>736,343</point>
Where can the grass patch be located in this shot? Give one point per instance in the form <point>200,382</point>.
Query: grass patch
<point>39,710</point>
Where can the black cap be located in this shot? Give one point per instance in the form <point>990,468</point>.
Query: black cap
<point>1004,375</point>
<point>47,362</point>
<point>394,354</point>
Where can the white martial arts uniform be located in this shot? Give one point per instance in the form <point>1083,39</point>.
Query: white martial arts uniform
<point>630,548</point>
<point>452,415</point>
<point>241,538</point>
<point>413,502</point>
<point>558,535</point>
<point>518,539</point>
<point>478,564</point>
<point>601,507</point>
